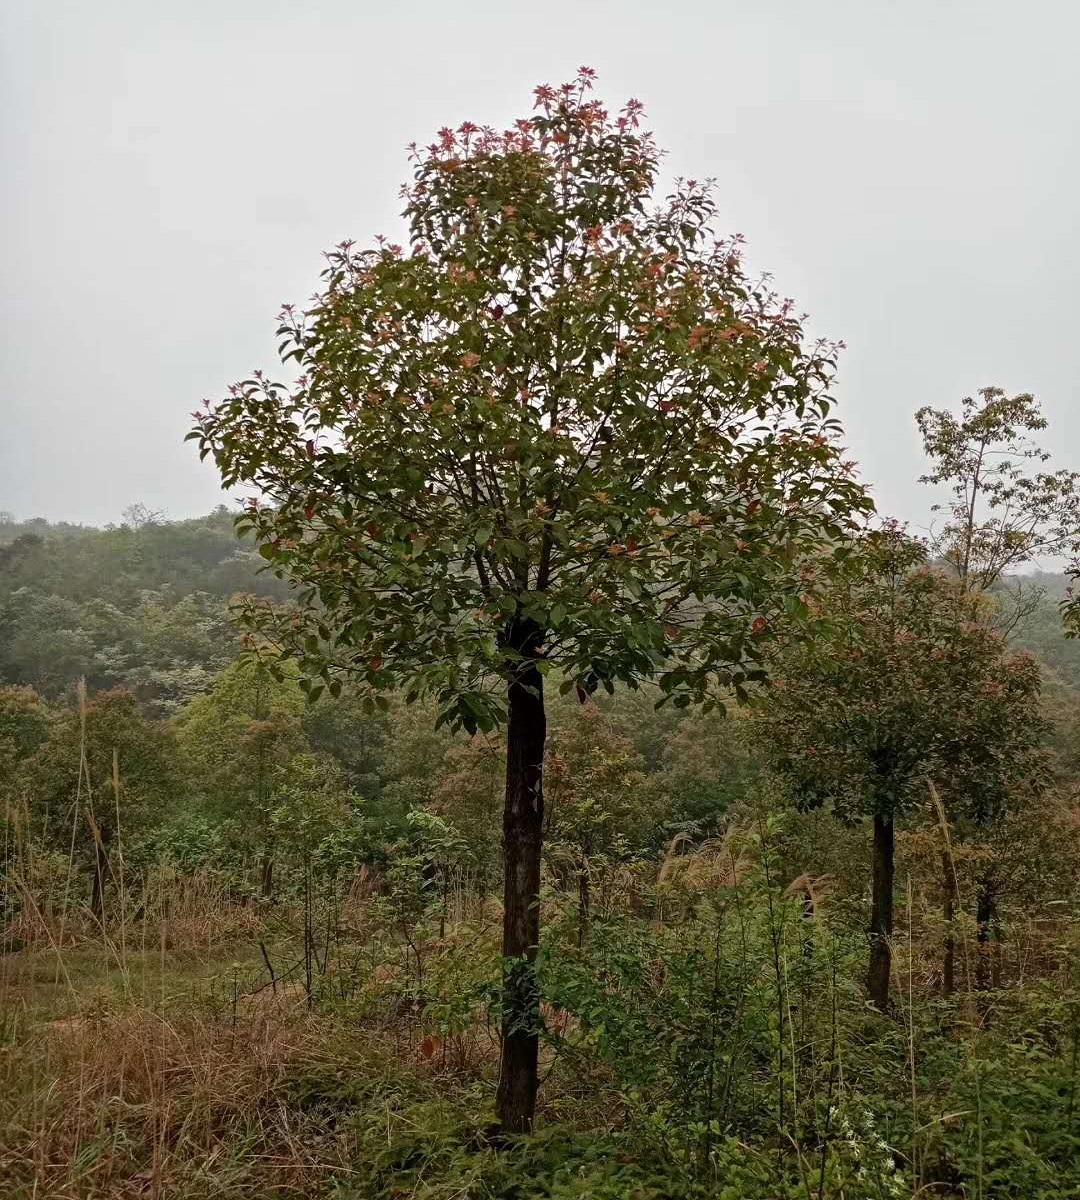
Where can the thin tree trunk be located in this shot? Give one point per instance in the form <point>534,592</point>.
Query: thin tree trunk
<point>985,913</point>
<point>266,875</point>
<point>102,866</point>
<point>523,817</point>
<point>101,869</point>
<point>584,900</point>
<point>948,965</point>
<point>881,913</point>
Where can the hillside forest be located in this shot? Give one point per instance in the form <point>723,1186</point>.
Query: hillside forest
<point>553,779</point>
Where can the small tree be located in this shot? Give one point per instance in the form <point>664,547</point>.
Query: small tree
<point>24,726</point>
<point>105,769</point>
<point>562,427</point>
<point>913,688</point>
<point>1005,511</point>
<point>468,795</point>
<point>311,818</point>
<point>238,739</point>
<point>600,810</point>
<point>710,764</point>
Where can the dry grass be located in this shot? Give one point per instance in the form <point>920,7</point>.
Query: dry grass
<point>167,1062</point>
<point>183,1098</point>
<point>690,871</point>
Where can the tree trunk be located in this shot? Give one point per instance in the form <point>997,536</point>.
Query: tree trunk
<point>948,965</point>
<point>584,899</point>
<point>985,914</point>
<point>102,866</point>
<point>881,913</point>
<point>101,869</point>
<point>266,875</point>
<point>523,816</point>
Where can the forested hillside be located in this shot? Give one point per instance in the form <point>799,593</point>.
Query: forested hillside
<point>144,605</point>
<point>143,609</point>
<point>140,605</point>
<point>1040,630</point>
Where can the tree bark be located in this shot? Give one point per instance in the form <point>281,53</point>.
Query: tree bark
<point>523,816</point>
<point>948,965</point>
<point>881,913</point>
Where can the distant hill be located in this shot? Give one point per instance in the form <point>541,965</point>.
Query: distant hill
<point>142,604</point>
<point>1041,631</point>
<point>80,562</point>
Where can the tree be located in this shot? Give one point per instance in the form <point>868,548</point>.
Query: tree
<point>599,807</point>
<point>710,764</point>
<point>468,796</point>
<point>137,516</point>
<point>1004,512</point>
<point>238,739</point>
<point>311,817</point>
<point>914,688</point>
<point>564,427</point>
<point>24,727</point>
<point>108,770</point>
<point>356,739</point>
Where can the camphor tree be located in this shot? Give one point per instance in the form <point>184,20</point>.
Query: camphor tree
<point>913,688</point>
<point>562,428</point>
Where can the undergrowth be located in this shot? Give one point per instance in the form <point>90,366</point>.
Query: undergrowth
<point>714,1042</point>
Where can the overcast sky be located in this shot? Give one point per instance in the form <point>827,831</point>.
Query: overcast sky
<point>908,171</point>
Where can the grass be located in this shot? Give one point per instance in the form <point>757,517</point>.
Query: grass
<point>162,1081</point>
<point>111,1073</point>
<point>167,1062</point>
<point>171,1062</point>
<point>186,1076</point>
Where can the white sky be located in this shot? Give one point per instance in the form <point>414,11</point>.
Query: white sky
<point>174,168</point>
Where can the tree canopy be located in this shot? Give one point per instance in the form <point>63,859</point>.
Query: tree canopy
<point>563,407</point>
